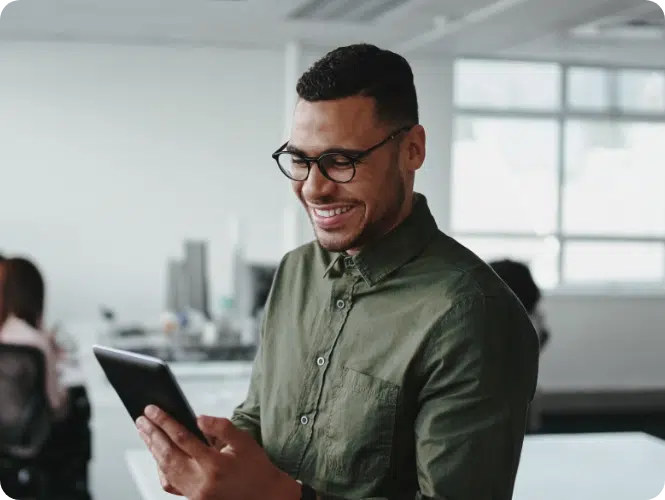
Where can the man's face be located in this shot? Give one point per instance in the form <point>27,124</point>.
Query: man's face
<point>348,216</point>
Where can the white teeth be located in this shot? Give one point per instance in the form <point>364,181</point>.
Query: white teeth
<point>330,213</point>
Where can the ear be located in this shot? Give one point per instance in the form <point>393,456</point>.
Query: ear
<point>416,144</point>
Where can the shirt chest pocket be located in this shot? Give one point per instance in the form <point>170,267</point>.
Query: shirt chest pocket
<point>359,428</point>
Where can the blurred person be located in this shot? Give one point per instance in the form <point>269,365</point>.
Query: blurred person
<point>393,362</point>
<point>2,261</point>
<point>518,277</point>
<point>22,295</point>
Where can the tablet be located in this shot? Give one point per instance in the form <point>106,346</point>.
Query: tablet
<point>141,380</point>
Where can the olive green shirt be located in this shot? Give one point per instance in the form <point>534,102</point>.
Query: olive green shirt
<point>404,372</point>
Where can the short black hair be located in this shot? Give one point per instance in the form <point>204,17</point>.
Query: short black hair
<point>364,70</point>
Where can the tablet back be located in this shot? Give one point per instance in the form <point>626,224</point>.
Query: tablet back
<point>141,380</point>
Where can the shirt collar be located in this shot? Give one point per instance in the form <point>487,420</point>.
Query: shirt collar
<point>17,325</point>
<point>377,260</point>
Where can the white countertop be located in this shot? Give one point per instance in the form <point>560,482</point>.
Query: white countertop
<point>612,466</point>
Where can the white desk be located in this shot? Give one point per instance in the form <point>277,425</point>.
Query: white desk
<point>627,466</point>
<point>144,472</point>
<point>621,466</point>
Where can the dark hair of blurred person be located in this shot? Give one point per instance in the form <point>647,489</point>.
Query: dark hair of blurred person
<point>518,277</point>
<point>22,297</point>
<point>23,292</point>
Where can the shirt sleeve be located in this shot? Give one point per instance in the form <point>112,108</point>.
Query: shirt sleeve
<point>479,376</point>
<point>247,416</point>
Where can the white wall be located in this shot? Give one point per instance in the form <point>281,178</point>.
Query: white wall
<point>604,342</point>
<point>112,155</point>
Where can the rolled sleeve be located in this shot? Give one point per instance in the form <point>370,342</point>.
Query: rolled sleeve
<point>247,415</point>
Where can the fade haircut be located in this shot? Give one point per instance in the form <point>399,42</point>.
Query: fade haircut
<point>364,70</point>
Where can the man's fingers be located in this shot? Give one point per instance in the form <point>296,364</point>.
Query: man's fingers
<point>175,463</point>
<point>180,436</point>
<point>222,431</point>
<point>170,458</point>
<point>166,486</point>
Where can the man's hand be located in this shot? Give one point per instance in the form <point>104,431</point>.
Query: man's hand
<point>240,469</point>
<point>166,486</point>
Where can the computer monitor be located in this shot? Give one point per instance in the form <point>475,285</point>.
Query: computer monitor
<point>252,283</point>
<point>261,278</point>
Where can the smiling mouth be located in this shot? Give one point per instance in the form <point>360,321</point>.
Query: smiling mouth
<point>331,218</point>
<point>332,212</point>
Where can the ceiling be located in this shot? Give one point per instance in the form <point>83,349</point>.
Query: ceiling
<point>604,31</point>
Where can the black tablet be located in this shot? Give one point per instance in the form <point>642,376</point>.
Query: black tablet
<point>143,380</point>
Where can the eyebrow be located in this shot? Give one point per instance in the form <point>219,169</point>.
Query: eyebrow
<point>334,149</point>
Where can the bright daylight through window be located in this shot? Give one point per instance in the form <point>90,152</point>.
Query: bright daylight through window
<point>562,167</point>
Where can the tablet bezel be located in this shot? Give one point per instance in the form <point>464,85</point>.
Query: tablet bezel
<point>157,373</point>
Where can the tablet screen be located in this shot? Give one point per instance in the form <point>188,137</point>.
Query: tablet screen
<point>141,380</point>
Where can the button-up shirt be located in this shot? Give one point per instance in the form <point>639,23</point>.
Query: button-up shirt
<point>402,372</point>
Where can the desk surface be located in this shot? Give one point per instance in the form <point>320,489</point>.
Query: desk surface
<point>621,466</point>
<point>144,472</point>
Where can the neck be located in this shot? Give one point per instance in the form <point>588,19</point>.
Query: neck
<point>404,212</point>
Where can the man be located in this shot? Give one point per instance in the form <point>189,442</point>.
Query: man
<point>393,362</point>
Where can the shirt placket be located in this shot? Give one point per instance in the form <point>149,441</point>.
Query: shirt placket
<point>341,300</point>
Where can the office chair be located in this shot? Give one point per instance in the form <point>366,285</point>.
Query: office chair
<point>67,453</point>
<point>25,421</point>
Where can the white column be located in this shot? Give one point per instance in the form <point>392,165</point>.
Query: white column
<point>297,229</point>
<point>292,70</point>
<point>434,84</point>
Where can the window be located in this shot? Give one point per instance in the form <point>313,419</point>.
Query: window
<point>542,254</point>
<point>588,89</point>
<point>628,91</point>
<point>561,167</point>
<point>501,85</point>
<point>613,262</point>
<point>505,175</point>
<point>641,91</point>
<point>614,181</point>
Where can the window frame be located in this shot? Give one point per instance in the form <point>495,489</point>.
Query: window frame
<point>562,115</point>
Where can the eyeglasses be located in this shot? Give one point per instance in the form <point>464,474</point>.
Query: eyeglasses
<point>337,166</point>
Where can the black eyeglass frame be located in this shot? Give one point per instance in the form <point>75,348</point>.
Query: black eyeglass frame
<point>353,158</point>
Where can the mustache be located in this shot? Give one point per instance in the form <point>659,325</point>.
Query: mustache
<point>328,200</point>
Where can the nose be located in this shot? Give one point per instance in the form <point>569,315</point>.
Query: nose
<point>317,185</point>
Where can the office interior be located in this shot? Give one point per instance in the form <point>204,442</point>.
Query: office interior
<point>136,171</point>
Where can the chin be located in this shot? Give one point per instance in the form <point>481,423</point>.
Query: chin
<point>335,243</point>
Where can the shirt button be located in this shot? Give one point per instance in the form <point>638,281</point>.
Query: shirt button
<point>320,361</point>
<point>340,304</point>
<point>304,420</point>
